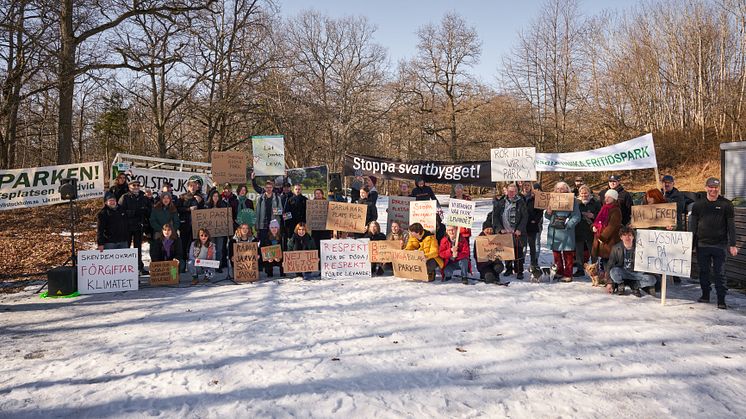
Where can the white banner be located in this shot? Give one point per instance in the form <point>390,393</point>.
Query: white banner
<point>638,153</point>
<point>108,271</point>
<point>513,164</point>
<point>154,179</point>
<point>664,252</point>
<point>345,258</point>
<point>269,155</point>
<point>37,186</point>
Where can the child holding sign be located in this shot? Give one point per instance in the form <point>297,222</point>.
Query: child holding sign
<point>302,240</point>
<point>202,248</point>
<point>273,237</point>
<point>244,234</point>
<point>374,233</point>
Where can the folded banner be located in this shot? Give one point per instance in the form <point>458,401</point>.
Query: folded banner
<point>638,153</point>
<point>37,186</point>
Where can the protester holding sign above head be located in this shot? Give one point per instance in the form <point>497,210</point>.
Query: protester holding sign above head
<point>204,249</point>
<point>589,209</point>
<point>533,226</point>
<point>214,200</point>
<point>120,186</point>
<point>164,212</point>
<point>606,227</point>
<point>112,229</point>
<point>421,239</point>
<point>624,198</point>
<point>561,235</point>
<point>490,270</point>
<point>422,192</point>
<point>189,201</point>
<point>244,234</point>
<point>273,238</point>
<point>373,233</point>
<point>137,207</point>
<point>713,224</point>
<point>510,216</point>
<point>621,267</point>
<point>167,246</point>
<point>455,254</point>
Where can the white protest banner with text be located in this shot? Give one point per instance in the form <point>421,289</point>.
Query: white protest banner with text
<point>513,164</point>
<point>423,212</point>
<point>638,153</point>
<point>460,213</point>
<point>269,155</point>
<point>37,186</point>
<point>345,258</point>
<point>154,179</point>
<point>108,271</point>
<point>664,252</point>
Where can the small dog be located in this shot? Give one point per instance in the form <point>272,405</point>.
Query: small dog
<point>545,271</point>
<point>593,271</point>
<point>536,274</point>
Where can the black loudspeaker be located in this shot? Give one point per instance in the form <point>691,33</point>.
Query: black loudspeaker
<point>68,189</point>
<point>335,182</point>
<point>62,280</point>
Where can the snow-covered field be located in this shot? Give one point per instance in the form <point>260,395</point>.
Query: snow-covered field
<point>375,347</point>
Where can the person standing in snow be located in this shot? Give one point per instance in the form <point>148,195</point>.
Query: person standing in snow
<point>533,226</point>
<point>510,216</point>
<point>589,209</point>
<point>624,198</point>
<point>561,235</point>
<point>137,207</point>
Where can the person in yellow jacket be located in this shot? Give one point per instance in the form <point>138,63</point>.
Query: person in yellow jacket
<point>421,239</point>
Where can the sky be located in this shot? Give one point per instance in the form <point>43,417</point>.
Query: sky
<point>497,22</point>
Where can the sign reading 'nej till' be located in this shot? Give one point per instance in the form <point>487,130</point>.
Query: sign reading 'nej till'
<point>107,271</point>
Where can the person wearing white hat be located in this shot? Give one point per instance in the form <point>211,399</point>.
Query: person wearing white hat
<point>606,227</point>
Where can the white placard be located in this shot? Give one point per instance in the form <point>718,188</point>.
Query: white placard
<point>664,252</point>
<point>513,164</point>
<point>269,155</point>
<point>460,213</point>
<point>637,153</point>
<point>345,258</point>
<point>207,263</point>
<point>423,212</point>
<point>108,271</point>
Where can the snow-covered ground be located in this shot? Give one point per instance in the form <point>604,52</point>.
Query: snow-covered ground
<point>372,347</point>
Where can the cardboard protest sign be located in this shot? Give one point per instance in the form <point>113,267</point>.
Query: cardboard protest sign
<point>423,212</point>
<point>164,273</point>
<point>269,155</point>
<point>245,262</point>
<point>513,164</point>
<point>228,166</point>
<point>658,215</point>
<point>380,250</point>
<point>342,216</point>
<point>410,264</point>
<point>37,186</point>
<point>398,211</point>
<point>554,201</point>
<point>316,214</point>
<point>272,252</point>
<point>107,271</point>
<point>207,263</point>
<point>216,220</point>
<point>345,258</point>
<point>664,252</point>
<point>493,247</point>
<point>300,261</point>
<point>460,213</point>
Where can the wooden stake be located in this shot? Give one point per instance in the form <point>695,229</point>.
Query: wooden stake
<point>657,179</point>
<point>663,289</point>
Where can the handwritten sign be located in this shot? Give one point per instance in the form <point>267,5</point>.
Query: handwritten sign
<point>460,213</point>
<point>108,271</point>
<point>269,155</point>
<point>272,252</point>
<point>207,263</point>
<point>493,247</point>
<point>410,264</point>
<point>664,252</point>
<point>423,212</point>
<point>164,273</point>
<point>345,258</point>
<point>245,262</point>
<point>380,250</point>
<point>513,164</point>
<point>228,166</point>
<point>554,201</point>
<point>300,261</point>
<point>316,214</point>
<point>398,211</point>
<point>216,220</point>
<point>658,215</point>
<point>346,217</point>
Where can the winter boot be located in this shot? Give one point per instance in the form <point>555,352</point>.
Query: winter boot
<point>721,302</point>
<point>705,298</point>
<point>636,291</point>
<point>489,278</point>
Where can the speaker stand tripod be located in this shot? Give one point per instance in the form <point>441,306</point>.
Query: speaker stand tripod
<point>71,258</point>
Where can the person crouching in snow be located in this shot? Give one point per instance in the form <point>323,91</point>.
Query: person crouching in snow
<point>302,240</point>
<point>489,271</point>
<point>202,248</point>
<point>621,267</point>
<point>455,255</point>
<point>244,234</point>
<point>421,239</point>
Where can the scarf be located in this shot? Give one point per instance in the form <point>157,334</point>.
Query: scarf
<point>167,247</point>
<point>602,220</point>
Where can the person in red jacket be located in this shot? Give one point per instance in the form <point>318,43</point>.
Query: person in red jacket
<point>455,254</point>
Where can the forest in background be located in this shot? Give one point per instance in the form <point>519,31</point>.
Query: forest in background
<point>84,79</point>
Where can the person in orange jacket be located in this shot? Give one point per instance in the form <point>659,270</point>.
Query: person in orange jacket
<point>455,254</point>
<point>421,239</point>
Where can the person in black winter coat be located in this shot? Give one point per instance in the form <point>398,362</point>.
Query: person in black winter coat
<point>625,199</point>
<point>167,246</point>
<point>490,270</point>
<point>374,234</point>
<point>372,212</point>
<point>302,240</point>
<point>112,230</point>
<point>137,208</point>
<point>534,224</point>
<point>510,216</point>
<point>422,192</point>
<point>295,210</point>
<point>674,195</point>
<point>189,201</point>
<point>120,186</point>
<point>584,236</point>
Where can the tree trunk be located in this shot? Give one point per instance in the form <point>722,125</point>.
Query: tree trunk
<point>66,84</point>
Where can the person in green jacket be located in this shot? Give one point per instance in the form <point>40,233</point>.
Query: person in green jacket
<point>164,212</point>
